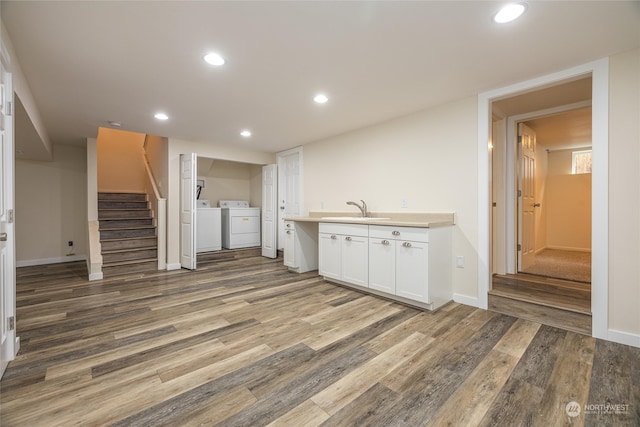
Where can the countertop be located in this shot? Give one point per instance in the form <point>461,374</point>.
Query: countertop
<point>399,219</point>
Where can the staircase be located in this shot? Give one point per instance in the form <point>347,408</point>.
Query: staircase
<point>127,234</point>
<point>554,302</point>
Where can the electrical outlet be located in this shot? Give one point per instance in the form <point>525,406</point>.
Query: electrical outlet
<point>70,243</point>
<point>404,204</point>
<point>460,261</point>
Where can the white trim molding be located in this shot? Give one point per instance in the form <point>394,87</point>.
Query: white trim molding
<point>466,300</point>
<point>56,260</point>
<point>599,70</point>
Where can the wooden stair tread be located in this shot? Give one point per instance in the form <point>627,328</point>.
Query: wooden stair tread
<point>140,248</point>
<point>142,226</point>
<point>559,318</point>
<point>128,262</point>
<point>554,302</point>
<point>117,239</point>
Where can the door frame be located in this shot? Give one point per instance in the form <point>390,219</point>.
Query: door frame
<point>12,344</point>
<point>511,201</point>
<point>599,71</point>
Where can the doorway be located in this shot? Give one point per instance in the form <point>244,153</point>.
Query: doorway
<point>554,209</point>
<point>498,204</point>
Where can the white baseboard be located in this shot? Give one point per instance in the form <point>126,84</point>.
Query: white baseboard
<point>56,260</point>
<point>96,276</point>
<point>173,267</point>
<point>466,300</point>
<point>568,248</point>
<point>624,338</point>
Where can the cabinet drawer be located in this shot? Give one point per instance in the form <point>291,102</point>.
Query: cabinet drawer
<point>414,234</point>
<point>344,229</point>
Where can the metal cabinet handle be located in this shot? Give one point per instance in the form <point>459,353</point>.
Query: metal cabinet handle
<point>288,231</point>
<point>288,224</point>
<point>333,236</point>
<point>3,237</point>
<point>385,242</point>
<point>395,233</point>
<point>536,205</point>
<point>406,244</point>
<point>348,238</point>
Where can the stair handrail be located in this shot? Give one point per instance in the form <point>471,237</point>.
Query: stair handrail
<point>159,206</point>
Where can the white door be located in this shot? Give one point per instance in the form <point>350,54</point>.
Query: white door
<point>269,212</point>
<point>527,199</point>
<point>188,169</point>
<point>7,242</point>
<point>289,188</point>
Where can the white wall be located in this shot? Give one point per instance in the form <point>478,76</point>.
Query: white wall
<point>157,151</point>
<point>226,180</point>
<point>204,149</point>
<point>624,194</point>
<point>120,161</point>
<point>51,207</point>
<point>567,203</point>
<point>429,159</point>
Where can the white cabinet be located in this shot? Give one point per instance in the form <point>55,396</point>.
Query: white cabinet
<point>343,252</point>
<point>411,263</point>
<point>382,264</point>
<point>289,244</point>
<point>300,246</point>
<point>412,270</point>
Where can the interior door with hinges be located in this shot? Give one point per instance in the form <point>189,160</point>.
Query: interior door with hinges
<point>526,197</point>
<point>8,344</point>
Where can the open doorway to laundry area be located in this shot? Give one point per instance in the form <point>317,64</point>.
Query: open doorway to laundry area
<point>541,192</point>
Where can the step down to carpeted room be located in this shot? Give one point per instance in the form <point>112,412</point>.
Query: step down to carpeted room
<point>127,234</point>
<point>554,302</point>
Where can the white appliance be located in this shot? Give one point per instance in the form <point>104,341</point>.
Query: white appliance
<point>240,224</point>
<point>209,227</point>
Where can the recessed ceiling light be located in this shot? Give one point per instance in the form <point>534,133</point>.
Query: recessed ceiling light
<point>320,98</point>
<point>214,59</point>
<point>161,116</point>
<point>245,133</point>
<point>114,124</point>
<point>509,13</point>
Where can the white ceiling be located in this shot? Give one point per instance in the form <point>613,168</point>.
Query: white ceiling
<point>90,62</point>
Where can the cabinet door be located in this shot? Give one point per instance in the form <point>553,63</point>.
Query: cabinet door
<point>290,248</point>
<point>329,255</point>
<point>412,270</point>
<point>382,265</point>
<point>355,260</point>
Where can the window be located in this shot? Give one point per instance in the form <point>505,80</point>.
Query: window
<point>581,162</point>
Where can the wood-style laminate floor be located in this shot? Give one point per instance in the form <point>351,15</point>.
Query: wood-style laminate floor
<point>243,342</point>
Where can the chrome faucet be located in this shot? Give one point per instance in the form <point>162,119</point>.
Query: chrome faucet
<point>362,208</point>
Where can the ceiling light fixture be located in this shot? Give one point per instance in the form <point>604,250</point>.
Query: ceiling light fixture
<point>245,133</point>
<point>161,116</point>
<point>214,59</point>
<point>509,13</point>
<point>114,124</point>
<point>320,98</point>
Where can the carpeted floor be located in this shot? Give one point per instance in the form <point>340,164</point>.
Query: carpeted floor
<point>561,264</point>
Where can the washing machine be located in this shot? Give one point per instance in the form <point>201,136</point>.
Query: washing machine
<point>208,227</point>
<point>240,224</point>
